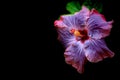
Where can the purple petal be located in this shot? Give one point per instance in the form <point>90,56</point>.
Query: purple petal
<point>97,26</point>
<point>59,24</point>
<point>65,36</point>
<point>68,20</point>
<point>81,17</point>
<point>78,20</point>
<point>74,55</point>
<point>65,21</point>
<point>96,50</point>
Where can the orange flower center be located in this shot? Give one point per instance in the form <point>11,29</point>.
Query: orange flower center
<point>80,34</point>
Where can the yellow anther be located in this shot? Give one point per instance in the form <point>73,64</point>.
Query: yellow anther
<point>77,33</point>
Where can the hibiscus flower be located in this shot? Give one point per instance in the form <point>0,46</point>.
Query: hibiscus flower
<point>83,35</point>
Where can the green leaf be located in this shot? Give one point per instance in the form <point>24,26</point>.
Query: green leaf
<point>73,7</point>
<point>96,4</point>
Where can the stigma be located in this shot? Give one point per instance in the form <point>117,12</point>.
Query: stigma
<point>77,33</point>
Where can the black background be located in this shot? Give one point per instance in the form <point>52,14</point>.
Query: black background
<point>106,69</point>
<point>25,55</point>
